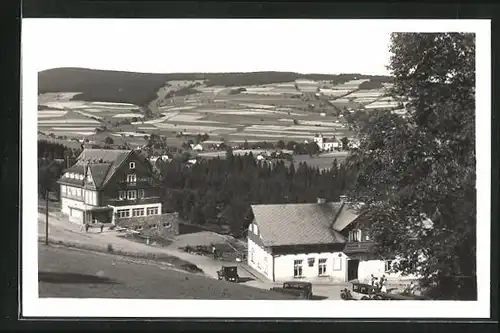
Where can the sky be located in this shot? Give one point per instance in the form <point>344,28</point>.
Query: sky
<point>203,45</point>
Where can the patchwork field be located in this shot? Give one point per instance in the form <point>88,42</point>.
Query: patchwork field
<point>296,108</point>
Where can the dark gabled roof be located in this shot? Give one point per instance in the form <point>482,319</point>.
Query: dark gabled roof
<point>99,173</point>
<point>102,163</point>
<point>302,224</point>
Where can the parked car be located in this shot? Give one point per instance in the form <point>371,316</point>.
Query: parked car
<point>363,291</point>
<point>397,297</point>
<point>299,289</point>
<point>228,273</point>
<point>360,291</point>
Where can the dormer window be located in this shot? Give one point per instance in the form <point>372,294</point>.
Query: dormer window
<point>355,235</point>
<point>131,165</point>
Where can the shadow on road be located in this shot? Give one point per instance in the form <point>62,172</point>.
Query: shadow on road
<point>243,279</point>
<point>318,297</point>
<point>55,277</point>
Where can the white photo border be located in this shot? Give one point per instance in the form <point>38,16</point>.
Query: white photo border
<point>33,306</point>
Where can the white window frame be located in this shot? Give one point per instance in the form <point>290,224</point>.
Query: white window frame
<point>131,165</point>
<point>298,269</point>
<point>140,193</point>
<point>322,267</point>
<point>131,178</point>
<point>137,212</point>
<point>355,235</point>
<point>123,213</point>
<point>152,211</point>
<point>122,195</point>
<point>130,196</point>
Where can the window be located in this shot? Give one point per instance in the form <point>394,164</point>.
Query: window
<point>152,211</point>
<point>388,266</point>
<point>63,189</point>
<point>140,193</point>
<point>132,194</point>
<point>122,195</point>
<point>66,174</point>
<point>354,235</point>
<point>367,237</point>
<point>123,213</point>
<point>310,262</point>
<point>166,224</point>
<point>131,165</point>
<point>138,212</point>
<point>322,267</point>
<point>79,192</point>
<point>297,268</point>
<point>131,178</point>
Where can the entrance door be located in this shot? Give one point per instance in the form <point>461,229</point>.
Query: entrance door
<point>352,269</point>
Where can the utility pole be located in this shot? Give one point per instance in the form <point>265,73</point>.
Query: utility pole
<point>47,217</point>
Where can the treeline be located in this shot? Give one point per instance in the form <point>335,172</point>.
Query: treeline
<point>52,150</point>
<point>141,88</point>
<point>220,191</point>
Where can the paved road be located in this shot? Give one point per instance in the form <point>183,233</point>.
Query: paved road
<point>82,274</point>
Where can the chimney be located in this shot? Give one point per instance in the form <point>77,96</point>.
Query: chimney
<point>321,201</point>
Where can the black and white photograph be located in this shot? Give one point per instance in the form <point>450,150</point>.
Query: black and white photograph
<point>300,166</point>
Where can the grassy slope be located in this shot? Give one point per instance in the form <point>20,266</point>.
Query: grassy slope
<point>141,88</point>
<point>128,279</point>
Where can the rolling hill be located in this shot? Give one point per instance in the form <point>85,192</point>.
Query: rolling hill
<point>141,88</point>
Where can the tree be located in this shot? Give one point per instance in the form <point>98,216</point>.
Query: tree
<point>416,175</point>
<point>108,140</point>
<point>280,144</point>
<point>245,145</point>
<point>312,148</point>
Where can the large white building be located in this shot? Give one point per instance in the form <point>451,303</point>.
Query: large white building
<point>105,185</point>
<point>319,241</point>
<point>325,143</point>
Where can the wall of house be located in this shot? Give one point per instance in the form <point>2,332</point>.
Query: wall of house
<point>260,260</point>
<point>74,215</point>
<point>144,175</point>
<point>336,266</point>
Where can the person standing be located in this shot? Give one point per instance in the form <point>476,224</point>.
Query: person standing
<point>383,287</point>
<point>87,227</point>
<point>373,280</point>
<point>102,227</point>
